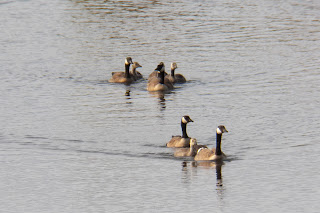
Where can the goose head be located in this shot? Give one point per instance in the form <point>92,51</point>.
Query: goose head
<point>136,65</point>
<point>193,142</point>
<point>128,61</point>
<point>186,119</point>
<point>160,67</point>
<point>174,66</point>
<point>221,129</point>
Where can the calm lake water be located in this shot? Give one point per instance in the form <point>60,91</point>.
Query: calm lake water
<point>72,142</point>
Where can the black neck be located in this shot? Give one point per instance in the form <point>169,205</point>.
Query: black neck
<point>184,130</point>
<point>218,146</point>
<point>161,76</point>
<point>218,171</point>
<point>172,72</point>
<point>127,73</point>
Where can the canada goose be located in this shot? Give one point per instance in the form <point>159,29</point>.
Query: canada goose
<point>184,140</point>
<point>136,74</point>
<point>175,78</point>
<point>215,153</point>
<point>123,77</point>
<point>159,83</point>
<point>155,73</point>
<point>187,152</point>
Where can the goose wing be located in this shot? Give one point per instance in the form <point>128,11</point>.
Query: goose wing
<point>182,152</point>
<point>179,78</point>
<point>203,154</point>
<point>117,77</point>
<point>174,141</point>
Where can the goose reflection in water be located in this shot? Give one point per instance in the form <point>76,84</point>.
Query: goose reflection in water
<point>211,164</point>
<point>220,189</point>
<point>127,95</point>
<point>208,164</point>
<point>161,96</point>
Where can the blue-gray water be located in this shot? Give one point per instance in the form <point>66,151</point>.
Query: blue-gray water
<point>72,142</point>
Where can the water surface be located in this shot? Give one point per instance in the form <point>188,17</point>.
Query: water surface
<point>72,142</point>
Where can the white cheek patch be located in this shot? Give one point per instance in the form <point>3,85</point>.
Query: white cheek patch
<point>219,131</point>
<point>184,120</point>
<point>127,61</point>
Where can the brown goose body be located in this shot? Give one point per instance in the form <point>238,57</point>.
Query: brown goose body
<point>205,154</point>
<point>178,142</point>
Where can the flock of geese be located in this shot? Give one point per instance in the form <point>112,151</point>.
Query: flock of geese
<point>159,80</point>
<point>188,147</point>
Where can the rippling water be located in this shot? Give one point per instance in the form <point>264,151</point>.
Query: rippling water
<point>72,142</point>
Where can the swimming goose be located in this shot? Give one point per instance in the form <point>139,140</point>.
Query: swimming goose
<point>136,74</point>
<point>184,140</point>
<point>175,78</point>
<point>159,83</point>
<point>215,153</point>
<point>155,73</point>
<point>187,152</point>
<point>123,77</point>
